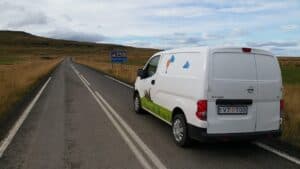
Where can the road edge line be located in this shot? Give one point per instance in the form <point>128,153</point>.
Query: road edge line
<point>7,140</point>
<point>118,81</point>
<point>277,152</point>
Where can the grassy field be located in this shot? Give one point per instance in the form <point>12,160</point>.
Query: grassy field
<point>290,69</point>
<point>18,75</point>
<point>25,59</point>
<point>124,72</point>
<point>291,78</point>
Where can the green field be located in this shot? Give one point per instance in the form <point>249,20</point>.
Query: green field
<point>290,74</point>
<point>9,60</point>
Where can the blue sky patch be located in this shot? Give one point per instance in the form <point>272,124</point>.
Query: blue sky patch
<point>273,25</point>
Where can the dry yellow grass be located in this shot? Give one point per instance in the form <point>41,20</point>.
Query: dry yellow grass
<point>126,73</point>
<point>291,123</point>
<point>16,79</point>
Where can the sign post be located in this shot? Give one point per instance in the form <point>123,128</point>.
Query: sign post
<point>118,56</point>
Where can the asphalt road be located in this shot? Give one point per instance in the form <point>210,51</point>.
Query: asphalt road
<point>84,120</point>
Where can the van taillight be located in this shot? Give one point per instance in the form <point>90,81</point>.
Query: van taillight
<point>201,109</point>
<point>281,105</point>
<point>246,50</point>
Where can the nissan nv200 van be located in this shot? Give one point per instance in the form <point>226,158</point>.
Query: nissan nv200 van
<point>202,92</point>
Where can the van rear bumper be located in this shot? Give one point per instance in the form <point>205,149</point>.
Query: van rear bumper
<point>201,134</point>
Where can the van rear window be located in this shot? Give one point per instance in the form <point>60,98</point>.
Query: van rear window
<point>238,66</point>
<point>267,68</point>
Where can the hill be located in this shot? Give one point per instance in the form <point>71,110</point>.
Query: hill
<point>16,43</point>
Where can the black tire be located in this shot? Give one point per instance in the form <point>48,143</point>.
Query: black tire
<point>137,105</point>
<point>184,140</point>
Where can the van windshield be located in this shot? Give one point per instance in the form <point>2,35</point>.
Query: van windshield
<point>238,66</point>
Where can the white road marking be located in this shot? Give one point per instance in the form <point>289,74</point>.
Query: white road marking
<point>5,143</point>
<point>87,82</point>
<point>138,140</point>
<point>131,145</point>
<point>75,70</point>
<point>116,80</point>
<point>81,77</point>
<point>83,80</point>
<point>277,152</point>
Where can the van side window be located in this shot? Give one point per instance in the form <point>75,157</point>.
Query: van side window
<point>152,66</point>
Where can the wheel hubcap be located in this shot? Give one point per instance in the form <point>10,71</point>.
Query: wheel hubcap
<point>178,130</point>
<point>136,104</point>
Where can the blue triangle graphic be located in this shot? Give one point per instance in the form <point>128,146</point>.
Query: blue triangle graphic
<point>186,65</point>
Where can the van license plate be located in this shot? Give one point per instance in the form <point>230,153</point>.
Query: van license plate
<point>232,109</point>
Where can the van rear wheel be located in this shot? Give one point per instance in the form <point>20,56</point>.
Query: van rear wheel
<point>180,132</point>
<point>137,104</point>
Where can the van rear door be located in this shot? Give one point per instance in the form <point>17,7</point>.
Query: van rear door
<point>269,93</point>
<point>232,93</point>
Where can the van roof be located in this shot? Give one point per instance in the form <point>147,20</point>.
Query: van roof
<point>207,49</point>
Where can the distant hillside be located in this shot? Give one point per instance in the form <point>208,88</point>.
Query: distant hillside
<point>16,38</point>
<point>13,43</point>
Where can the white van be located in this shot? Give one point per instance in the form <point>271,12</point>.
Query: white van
<point>203,92</point>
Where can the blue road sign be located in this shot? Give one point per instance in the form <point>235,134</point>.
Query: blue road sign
<point>118,56</point>
<point>118,59</point>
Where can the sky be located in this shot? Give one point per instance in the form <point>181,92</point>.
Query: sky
<point>268,24</point>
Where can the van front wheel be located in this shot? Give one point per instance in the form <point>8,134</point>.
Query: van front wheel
<point>180,133</point>
<point>137,104</point>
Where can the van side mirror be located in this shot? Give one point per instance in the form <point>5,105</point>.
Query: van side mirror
<point>141,73</point>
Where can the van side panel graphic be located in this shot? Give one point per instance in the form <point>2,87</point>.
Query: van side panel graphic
<point>157,109</point>
<point>169,61</point>
<point>186,65</point>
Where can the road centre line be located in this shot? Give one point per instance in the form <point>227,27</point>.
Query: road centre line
<point>7,140</point>
<point>143,146</point>
<point>123,134</point>
<point>87,82</point>
<point>139,141</point>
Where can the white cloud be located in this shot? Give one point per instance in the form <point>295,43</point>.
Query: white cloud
<point>17,16</point>
<point>137,43</point>
<point>288,28</point>
<point>255,6</point>
<point>187,12</point>
<point>274,44</point>
<point>151,22</point>
<point>279,47</point>
<point>77,36</point>
<point>27,19</point>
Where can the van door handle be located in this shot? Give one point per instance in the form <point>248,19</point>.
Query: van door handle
<point>250,90</point>
<point>153,82</point>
